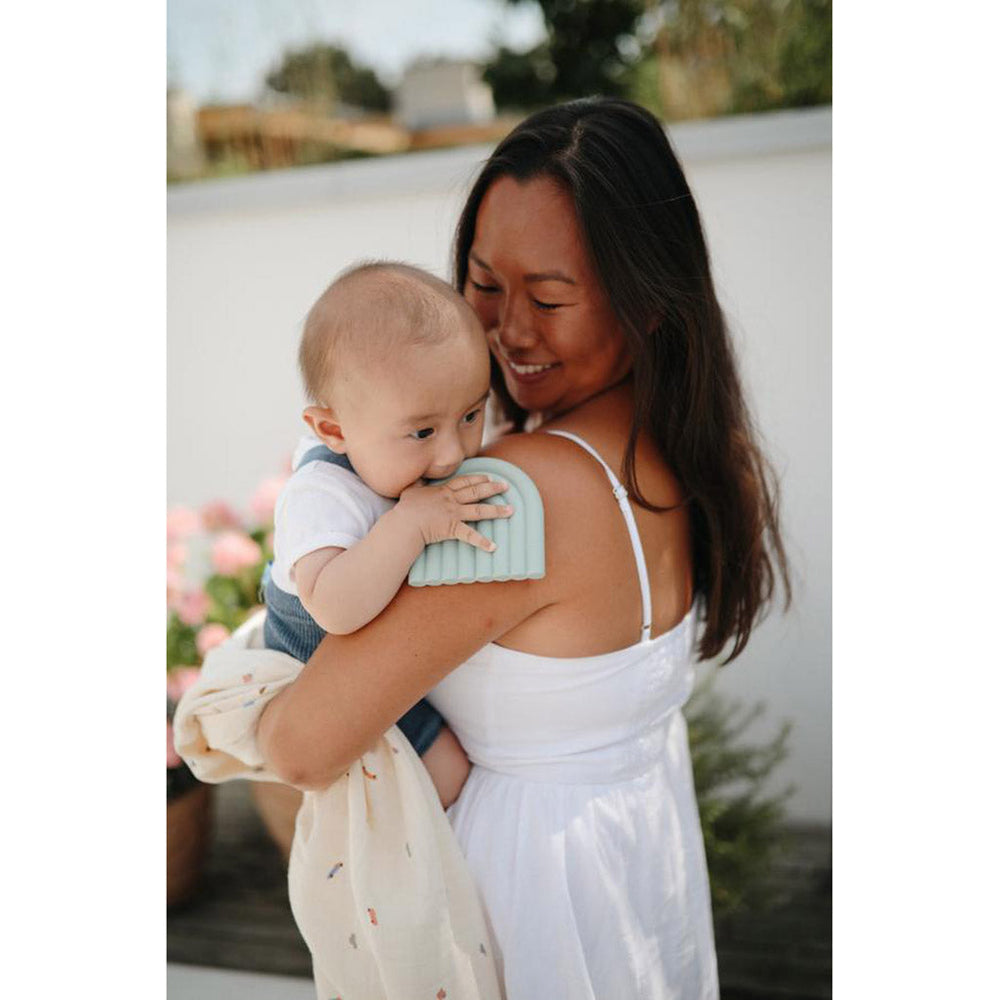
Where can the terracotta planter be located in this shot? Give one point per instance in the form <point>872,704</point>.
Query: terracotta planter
<point>189,825</point>
<point>278,806</point>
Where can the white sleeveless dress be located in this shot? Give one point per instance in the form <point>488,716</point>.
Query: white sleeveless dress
<point>579,818</point>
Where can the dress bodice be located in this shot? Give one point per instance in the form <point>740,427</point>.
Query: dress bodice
<point>591,719</point>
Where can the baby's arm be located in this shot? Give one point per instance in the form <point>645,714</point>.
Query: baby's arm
<point>344,589</point>
<point>447,765</point>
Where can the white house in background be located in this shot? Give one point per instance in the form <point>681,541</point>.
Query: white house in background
<point>441,92</point>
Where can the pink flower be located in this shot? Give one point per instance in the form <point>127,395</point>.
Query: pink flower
<point>210,636</point>
<point>177,553</point>
<point>193,606</point>
<point>233,551</point>
<point>181,523</point>
<point>179,680</point>
<point>263,501</point>
<point>173,757</point>
<point>175,589</point>
<point>218,515</point>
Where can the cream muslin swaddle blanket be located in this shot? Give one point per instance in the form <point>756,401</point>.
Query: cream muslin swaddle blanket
<point>377,883</point>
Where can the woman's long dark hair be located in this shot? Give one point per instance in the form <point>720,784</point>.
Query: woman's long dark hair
<point>644,235</point>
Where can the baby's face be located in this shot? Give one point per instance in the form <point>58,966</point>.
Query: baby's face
<point>419,415</point>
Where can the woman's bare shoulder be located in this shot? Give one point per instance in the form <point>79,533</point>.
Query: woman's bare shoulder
<point>512,447</point>
<point>566,476</point>
<point>574,491</point>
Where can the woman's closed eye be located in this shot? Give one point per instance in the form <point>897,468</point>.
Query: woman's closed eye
<point>484,289</point>
<point>545,306</point>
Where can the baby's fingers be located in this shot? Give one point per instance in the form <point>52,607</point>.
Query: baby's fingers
<point>466,534</point>
<point>469,489</point>
<point>485,511</point>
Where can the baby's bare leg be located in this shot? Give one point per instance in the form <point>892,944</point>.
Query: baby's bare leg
<point>447,765</point>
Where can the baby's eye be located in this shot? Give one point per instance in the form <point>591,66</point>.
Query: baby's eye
<point>423,433</point>
<point>471,418</point>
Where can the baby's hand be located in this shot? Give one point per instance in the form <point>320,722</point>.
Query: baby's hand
<point>440,512</point>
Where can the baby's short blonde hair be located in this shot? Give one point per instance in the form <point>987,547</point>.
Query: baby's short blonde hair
<point>370,310</point>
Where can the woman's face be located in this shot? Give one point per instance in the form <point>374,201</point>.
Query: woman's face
<point>530,280</point>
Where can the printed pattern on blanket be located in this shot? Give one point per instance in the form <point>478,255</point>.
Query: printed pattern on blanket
<point>377,883</point>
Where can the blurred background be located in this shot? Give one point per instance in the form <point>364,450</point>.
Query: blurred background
<point>264,84</point>
<point>303,135</point>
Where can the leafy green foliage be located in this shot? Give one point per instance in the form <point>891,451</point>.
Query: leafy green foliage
<point>741,824</point>
<point>805,54</point>
<point>327,75</point>
<point>181,648</point>
<point>521,79</point>
<point>676,57</point>
<point>590,49</point>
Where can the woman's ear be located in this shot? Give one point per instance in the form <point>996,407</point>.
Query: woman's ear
<point>323,423</point>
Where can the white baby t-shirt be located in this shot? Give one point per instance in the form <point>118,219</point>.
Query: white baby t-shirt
<point>321,505</point>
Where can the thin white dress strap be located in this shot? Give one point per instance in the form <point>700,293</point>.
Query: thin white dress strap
<point>621,495</point>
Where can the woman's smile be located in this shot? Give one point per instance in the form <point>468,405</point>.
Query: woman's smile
<point>524,371</point>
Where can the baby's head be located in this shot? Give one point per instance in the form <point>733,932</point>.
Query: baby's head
<point>396,367</point>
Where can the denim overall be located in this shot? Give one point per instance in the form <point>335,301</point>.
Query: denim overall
<point>290,629</point>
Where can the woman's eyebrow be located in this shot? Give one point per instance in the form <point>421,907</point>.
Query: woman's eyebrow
<point>549,276</point>
<point>529,278</point>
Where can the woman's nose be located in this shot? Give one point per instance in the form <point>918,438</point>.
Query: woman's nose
<point>514,329</point>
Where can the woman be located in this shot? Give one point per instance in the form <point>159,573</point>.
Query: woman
<point>581,250</point>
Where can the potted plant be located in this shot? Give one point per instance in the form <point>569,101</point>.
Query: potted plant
<point>215,561</point>
<point>741,819</point>
<point>188,806</point>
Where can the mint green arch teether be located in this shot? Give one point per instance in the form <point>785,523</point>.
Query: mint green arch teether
<point>520,538</point>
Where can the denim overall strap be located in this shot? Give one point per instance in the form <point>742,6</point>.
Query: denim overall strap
<point>320,453</point>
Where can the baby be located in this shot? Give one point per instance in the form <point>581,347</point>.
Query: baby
<point>396,366</point>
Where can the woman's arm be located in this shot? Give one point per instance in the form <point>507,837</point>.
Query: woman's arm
<point>356,686</point>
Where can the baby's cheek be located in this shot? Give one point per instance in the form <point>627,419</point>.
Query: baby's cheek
<point>474,440</point>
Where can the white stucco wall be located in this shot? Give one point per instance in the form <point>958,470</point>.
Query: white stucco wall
<point>247,257</point>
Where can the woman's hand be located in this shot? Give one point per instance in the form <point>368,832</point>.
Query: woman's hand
<point>440,512</point>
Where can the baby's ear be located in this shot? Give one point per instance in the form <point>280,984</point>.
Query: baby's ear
<point>323,423</point>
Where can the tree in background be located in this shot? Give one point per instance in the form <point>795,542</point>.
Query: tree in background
<point>326,76</point>
<point>805,55</point>
<point>730,56</point>
<point>680,58</point>
<point>590,49</point>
